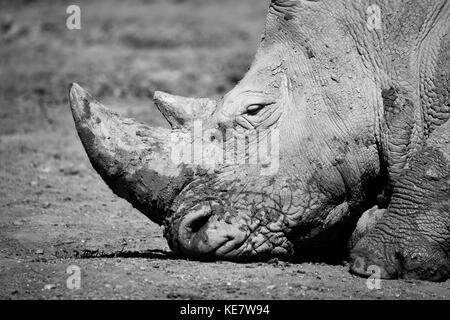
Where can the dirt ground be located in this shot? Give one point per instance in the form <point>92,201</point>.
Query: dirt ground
<point>56,212</point>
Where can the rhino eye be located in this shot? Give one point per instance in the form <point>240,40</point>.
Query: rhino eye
<point>254,109</point>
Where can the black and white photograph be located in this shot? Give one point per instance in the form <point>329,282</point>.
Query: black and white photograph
<point>243,151</point>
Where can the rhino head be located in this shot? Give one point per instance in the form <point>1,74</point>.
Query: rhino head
<point>283,165</point>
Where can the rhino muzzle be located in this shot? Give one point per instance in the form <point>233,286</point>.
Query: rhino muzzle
<point>200,235</point>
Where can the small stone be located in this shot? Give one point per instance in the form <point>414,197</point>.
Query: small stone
<point>18,223</point>
<point>39,251</point>
<point>69,171</point>
<point>271,287</point>
<point>46,169</point>
<point>50,286</point>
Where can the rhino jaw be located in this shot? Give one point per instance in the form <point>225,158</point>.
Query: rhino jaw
<point>133,159</point>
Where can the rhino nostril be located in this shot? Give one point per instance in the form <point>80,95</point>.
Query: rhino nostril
<point>197,223</point>
<point>195,220</point>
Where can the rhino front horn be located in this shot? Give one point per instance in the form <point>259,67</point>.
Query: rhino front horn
<point>181,112</point>
<point>132,158</point>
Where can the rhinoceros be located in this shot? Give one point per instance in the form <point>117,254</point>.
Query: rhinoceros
<point>334,145</point>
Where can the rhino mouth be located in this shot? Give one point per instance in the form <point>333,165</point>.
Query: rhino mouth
<point>205,236</point>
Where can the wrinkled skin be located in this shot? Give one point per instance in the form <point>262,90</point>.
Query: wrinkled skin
<point>357,121</point>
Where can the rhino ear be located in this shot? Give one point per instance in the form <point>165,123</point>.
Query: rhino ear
<point>181,112</point>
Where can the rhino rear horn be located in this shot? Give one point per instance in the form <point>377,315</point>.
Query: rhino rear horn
<point>132,158</point>
<point>181,112</point>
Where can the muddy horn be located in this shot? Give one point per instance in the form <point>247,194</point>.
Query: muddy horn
<point>132,158</point>
<point>181,112</point>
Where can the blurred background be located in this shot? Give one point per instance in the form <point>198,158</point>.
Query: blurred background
<point>124,51</point>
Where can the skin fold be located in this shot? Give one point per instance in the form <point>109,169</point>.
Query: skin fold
<point>357,162</point>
